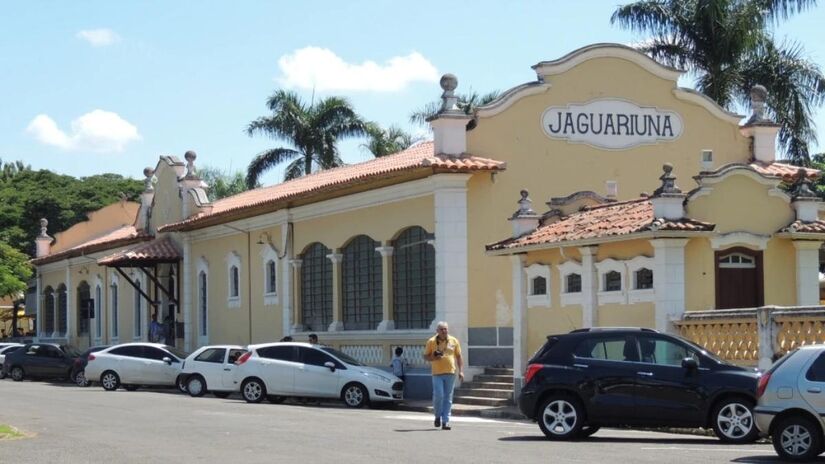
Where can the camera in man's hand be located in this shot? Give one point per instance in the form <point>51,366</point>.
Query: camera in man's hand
<point>438,353</point>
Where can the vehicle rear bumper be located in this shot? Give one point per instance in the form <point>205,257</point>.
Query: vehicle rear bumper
<point>527,403</point>
<point>763,417</point>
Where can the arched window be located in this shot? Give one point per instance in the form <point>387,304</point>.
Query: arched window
<point>612,282</point>
<point>62,310</point>
<point>233,273</point>
<point>271,277</point>
<point>48,311</point>
<point>235,282</point>
<point>98,311</point>
<point>643,279</point>
<point>413,279</point>
<point>203,311</point>
<point>114,308</point>
<point>138,330</point>
<point>362,285</point>
<point>316,288</point>
<point>84,305</point>
<point>573,283</point>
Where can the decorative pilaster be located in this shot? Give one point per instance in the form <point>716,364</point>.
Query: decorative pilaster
<point>185,297</point>
<point>807,272</point>
<point>387,316</point>
<point>519,319</point>
<point>297,321</point>
<point>286,281</point>
<point>337,324</point>
<point>590,285</point>
<point>669,281</point>
<point>71,307</point>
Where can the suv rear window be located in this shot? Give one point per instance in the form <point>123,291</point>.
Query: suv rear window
<point>545,349</point>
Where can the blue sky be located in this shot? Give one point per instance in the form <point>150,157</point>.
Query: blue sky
<point>92,87</point>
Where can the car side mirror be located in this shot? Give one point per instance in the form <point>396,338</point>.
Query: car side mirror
<point>167,360</point>
<point>330,365</point>
<point>690,363</point>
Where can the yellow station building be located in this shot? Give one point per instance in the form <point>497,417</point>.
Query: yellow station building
<point>371,255</point>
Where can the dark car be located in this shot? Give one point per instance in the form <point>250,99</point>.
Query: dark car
<point>42,361</point>
<point>589,378</point>
<point>78,374</point>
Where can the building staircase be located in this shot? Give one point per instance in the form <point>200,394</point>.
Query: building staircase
<point>492,388</point>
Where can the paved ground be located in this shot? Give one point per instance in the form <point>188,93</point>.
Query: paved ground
<point>68,424</point>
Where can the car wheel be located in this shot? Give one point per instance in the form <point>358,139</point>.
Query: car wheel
<point>221,394</point>
<point>733,421</point>
<point>180,383</point>
<point>130,388</point>
<point>17,373</point>
<point>196,386</point>
<point>355,395</point>
<point>253,390</point>
<point>109,381</point>
<point>797,438</point>
<point>561,417</point>
<point>275,399</point>
<point>588,430</point>
<point>80,379</point>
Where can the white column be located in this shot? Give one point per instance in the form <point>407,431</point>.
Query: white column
<point>388,318</point>
<point>519,319</point>
<point>590,286</point>
<point>39,329</point>
<point>297,324</point>
<point>451,282</point>
<point>185,297</point>
<point>286,280</point>
<point>669,281</point>
<point>807,272</point>
<point>70,306</point>
<point>337,324</point>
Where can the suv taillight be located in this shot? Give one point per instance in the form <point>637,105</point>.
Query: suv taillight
<point>91,357</point>
<point>531,371</point>
<point>763,384</point>
<point>244,358</point>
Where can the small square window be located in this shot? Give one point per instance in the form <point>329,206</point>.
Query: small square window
<point>644,279</point>
<point>539,286</point>
<point>573,283</point>
<point>613,281</point>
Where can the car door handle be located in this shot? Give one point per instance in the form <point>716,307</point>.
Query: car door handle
<point>227,369</point>
<point>584,366</point>
<point>814,390</point>
<point>646,374</point>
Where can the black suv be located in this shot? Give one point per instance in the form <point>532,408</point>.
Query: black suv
<point>588,378</point>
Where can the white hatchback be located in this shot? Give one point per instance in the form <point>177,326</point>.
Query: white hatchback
<point>6,348</point>
<point>279,370</point>
<point>134,364</point>
<point>212,369</point>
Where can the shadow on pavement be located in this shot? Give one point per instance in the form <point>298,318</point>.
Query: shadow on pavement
<point>417,430</point>
<point>767,459</point>
<point>597,439</point>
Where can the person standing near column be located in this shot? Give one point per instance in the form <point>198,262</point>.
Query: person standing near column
<point>443,351</point>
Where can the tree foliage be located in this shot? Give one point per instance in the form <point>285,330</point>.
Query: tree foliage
<point>383,142</point>
<point>222,184</point>
<point>729,47</point>
<point>467,102</point>
<point>15,271</point>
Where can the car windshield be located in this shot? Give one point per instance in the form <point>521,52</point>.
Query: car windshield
<point>70,350</point>
<point>177,352</point>
<point>342,356</point>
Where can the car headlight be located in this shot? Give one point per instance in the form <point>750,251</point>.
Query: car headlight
<point>383,378</point>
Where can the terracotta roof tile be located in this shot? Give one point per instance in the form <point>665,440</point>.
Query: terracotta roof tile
<point>815,227</point>
<point>613,219</point>
<point>786,171</point>
<point>415,157</point>
<point>118,237</point>
<point>161,250</point>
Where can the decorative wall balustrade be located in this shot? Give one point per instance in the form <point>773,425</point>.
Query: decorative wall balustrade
<point>370,355</point>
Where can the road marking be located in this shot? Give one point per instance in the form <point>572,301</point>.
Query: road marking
<point>734,449</point>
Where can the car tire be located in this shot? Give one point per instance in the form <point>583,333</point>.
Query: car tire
<point>196,386</point>
<point>253,390</point>
<point>355,395</point>
<point>180,384</point>
<point>80,378</point>
<point>733,421</point>
<point>797,438</point>
<point>110,381</point>
<point>130,388</point>
<point>588,431</point>
<point>17,374</point>
<point>275,399</point>
<point>221,394</point>
<point>561,417</point>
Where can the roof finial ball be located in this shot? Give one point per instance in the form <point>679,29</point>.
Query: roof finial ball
<point>44,224</point>
<point>759,95</point>
<point>148,173</point>
<point>190,157</point>
<point>448,84</point>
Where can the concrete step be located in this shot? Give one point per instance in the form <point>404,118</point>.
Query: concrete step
<point>493,378</point>
<point>482,392</point>
<point>498,371</point>
<point>480,401</point>
<point>491,385</point>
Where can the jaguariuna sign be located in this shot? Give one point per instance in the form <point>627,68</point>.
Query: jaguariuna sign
<point>611,124</point>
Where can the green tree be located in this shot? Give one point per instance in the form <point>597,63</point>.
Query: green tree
<point>467,102</point>
<point>383,142</point>
<point>15,272</point>
<point>313,131</point>
<point>729,47</point>
<point>222,184</point>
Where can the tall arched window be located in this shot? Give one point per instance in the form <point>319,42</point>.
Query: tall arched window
<point>138,330</point>
<point>413,279</point>
<point>362,286</point>
<point>98,311</point>
<point>114,308</point>
<point>203,310</point>
<point>48,311</point>
<point>84,304</point>
<point>316,288</point>
<point>62,310</point>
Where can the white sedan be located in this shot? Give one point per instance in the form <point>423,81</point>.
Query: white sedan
<point>212,369</point>
<point>133,364</point>
<point>279,370</point>
<point>6,348</point>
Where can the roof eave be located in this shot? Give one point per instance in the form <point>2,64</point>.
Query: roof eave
<point>598,241</point>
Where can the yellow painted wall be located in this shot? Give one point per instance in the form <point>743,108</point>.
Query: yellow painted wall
<point>99,223</point>
<point>779,265</point>
<point>723,207</point>
<point>630,315</point>
<point>624,250</point>
<point>547,321</point>
<point>700,275</point>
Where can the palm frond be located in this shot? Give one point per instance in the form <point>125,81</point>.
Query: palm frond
<point>265,161</point>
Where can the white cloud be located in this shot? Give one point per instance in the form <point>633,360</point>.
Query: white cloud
<point>324,70</point>
<point>99,131</point>
<point>98,37</point>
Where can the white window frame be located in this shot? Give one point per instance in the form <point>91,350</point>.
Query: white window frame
<point>202,312</point>
<point>114,307</point>
<point>639,295</point>
<point>138,318</point>
<point>538,270</point>
<point>740,265</point>
<point>566,269</point>
<point>269,254</point>
<point>605,266</point>
<point>100,299</point>
<point>233,259</point>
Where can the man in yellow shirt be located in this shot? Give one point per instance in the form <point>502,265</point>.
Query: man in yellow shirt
<point>444,354</point>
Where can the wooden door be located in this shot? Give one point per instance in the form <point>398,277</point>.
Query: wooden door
<point>739,280</point>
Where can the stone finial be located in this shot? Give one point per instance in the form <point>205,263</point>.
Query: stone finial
<point>449,101</point>
<point>759,98</point>
<point>148,183</point>
<point>44,224</point>
<point>802,187</point>
<point>190,157</point>
<point>524,220</point>
<point>668,186</point>
<point>525,206</point>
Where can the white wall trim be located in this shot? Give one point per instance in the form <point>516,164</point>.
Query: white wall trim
<point>606,50</point>
<point>698,98</point>
<point>634,294</point>
<point>538,270</point>
<point>233,259</point>
<point>270,253</point>
<point>590,285</point>
<point>807,272</point>
<point>202,266</point>
<point>619,296</point>
<point>740,238</point>
<point>114,325</point>
<point>100,308</point>
<point>519,318</point>
<point>668,281</point>
<point>566,269</point>
<point>510,97</point>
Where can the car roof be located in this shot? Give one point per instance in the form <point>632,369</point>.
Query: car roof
<point>616,329</point>
<point>235,347</point>
<point>264,345</point>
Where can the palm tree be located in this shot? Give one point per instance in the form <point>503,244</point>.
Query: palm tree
<point>312,130</point>
<point>729,47</point>
<point>467,102</point>
<point>383,142</point>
